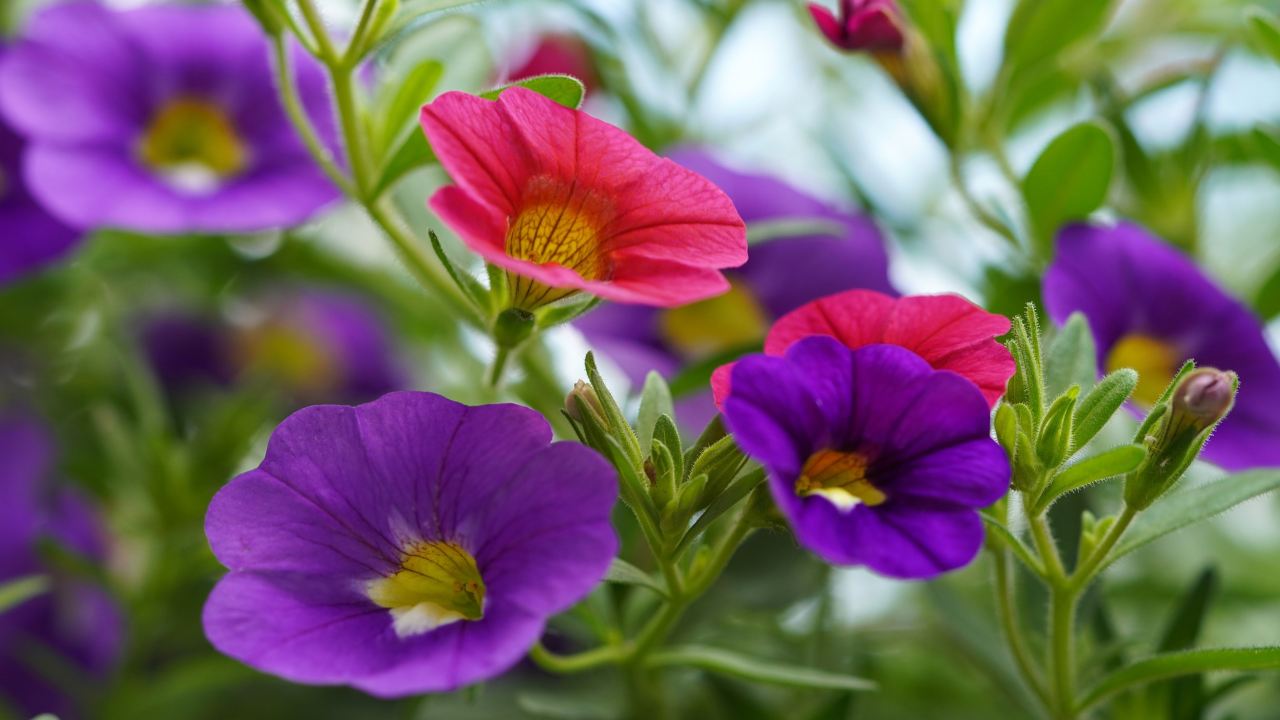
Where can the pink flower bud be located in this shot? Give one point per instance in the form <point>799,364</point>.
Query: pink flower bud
<point>870,25</point>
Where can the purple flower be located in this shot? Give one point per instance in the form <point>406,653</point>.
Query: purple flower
<point>874,457</point>
<point>1151,309</point>
<point>75,621</point>
<point>779,277</point>
<point>409,545</point>
<point>318,344</point>
<point>29,236</point>
<point>162,119</point>
<point>861,25</point>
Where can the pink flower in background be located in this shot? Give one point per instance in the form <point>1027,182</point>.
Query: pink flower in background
<point>871,25</point>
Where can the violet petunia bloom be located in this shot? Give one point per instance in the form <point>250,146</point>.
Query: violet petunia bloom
<point>874,457</point>
<point>29,237</point>
<point>1151,309</point>
<point>319,345</point>
<point>870,25</point>
<point>405,546</point>
<point>75,622</point>
<point>161,119</point>
<point>780,276</point>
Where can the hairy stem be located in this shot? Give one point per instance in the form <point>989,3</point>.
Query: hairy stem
<point>1007,609</point>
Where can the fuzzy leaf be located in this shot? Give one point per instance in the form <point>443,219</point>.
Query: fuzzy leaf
<point>564,89</point>
<point>624,573</point>
<point>1171,665</point>
<point>726,662</point>
<point>1108,464</point>
<point>1096,408</point>
<point>1072,358</point>
<point>655,401</point>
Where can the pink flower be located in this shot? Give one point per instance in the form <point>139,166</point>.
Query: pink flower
<point>862,25</point>
<point>565,202</point>
<point>560,55</point>
<point>947,331</point>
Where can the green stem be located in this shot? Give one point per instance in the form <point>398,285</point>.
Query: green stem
<point>578,662</point>
<point>328,52</point>
<point>298,116</point>
<point>355,47</point>
<point>983,215</point>
<point>1056,571</point>
<point>1008,611</point>
<point>1062,615</point>
<point>499,363</point>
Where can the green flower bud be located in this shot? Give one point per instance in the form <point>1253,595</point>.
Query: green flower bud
<point>1054,444</point>
<point>1201,399</point>
<point>512,327</point>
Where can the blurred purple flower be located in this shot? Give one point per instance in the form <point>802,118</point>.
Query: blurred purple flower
<point>320,345</point>
<point>870,25</point>
<point>1151,309</point>
<point>405,546</point>
<point>75,621</point>
<point>874,457</point>
<point>29,236</point>
<point>161,119</point>
<point>780,276</point>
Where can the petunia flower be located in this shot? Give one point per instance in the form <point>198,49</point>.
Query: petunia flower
<point>1151,309</point>
<point>874,457</point>
<point>318,344</point>
<point>29,237</point>
<point>73,622</point>
<point>870,25</point>
<point>949,332</point>
<point>161,119</point>
<point>559,55</point>
<point>565,202</point>
<point>851,255</point>
<point>405,546</point>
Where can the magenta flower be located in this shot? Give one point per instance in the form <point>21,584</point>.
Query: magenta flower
<point>162,119</point>
<point>1151,309</point>
<point>874,457</point>
<point>29,237</point>
<point>405,546</point>
<point>871,25</point>
<point>565,203</point>
<point>74,622</point>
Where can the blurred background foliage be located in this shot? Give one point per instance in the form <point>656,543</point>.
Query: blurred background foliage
<point>1165,111</point>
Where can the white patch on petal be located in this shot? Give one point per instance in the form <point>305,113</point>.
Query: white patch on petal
<point>192,178</point>
<point>421,618</point>
<point>844,500</point>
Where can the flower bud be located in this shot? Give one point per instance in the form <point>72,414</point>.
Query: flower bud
<point>1200,401</point>
<point>583,398</point>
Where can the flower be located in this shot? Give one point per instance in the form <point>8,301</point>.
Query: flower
<point>409,545</point>
<point>29,237</point>
<point>781,275</point>
<point>949,332</point>
<point>1151,309</point>
<point>319,344</point>
<point>565,202</point>
<point>871,25</point>
<point>874,457</point>
<point>559,55</point>
<point>75,621</point>
<point>161,119</point>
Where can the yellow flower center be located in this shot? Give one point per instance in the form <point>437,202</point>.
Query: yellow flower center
<point>1155,360</point>
<point>193,144</point>
<point>557,225</point>
<point>438,584</point>
<point>840,477</point>
<point>289,355</point>
<point>727,322</point>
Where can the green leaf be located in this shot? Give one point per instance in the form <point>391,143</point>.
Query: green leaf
<point>19,590</point>
<point>1184,627</point>
<point>666,432</point>
<point>1040,29</point>
<point>1264,142</point>
<point>624,573</point>
<point>1267,301</point>
<point>763,231</point>
<point>1069,180</point>
<point>1111,463</point>
<point>1264,32</point>
<point>413,153</point>
<point>1178,510</point>
<point>1018,547</point>
<point>564,89</point>
<point>1072,358</point>
<point>726,662</point>
<point>737,490</point>
<point>398,106</point>
<point>1096,408</point>
<point>655,401</point>
<point>1171,665</point>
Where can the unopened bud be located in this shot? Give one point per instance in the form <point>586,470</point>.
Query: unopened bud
<point>1203,398</point>
<point>583,397</point>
